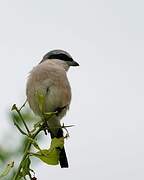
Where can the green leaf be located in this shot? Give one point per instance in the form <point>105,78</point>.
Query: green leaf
<point>57,143</point>
<point>41,101</point>
<point>7,169</point>
<point>51,156</point>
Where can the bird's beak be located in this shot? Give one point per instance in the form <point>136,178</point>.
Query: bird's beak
<point>73,63</point>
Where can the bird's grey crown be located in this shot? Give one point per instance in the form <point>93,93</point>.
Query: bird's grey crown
<point>57,54</point>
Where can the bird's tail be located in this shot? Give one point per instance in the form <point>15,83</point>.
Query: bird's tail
<point>63,158</point>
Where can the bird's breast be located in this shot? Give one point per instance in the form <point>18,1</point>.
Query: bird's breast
<point>53,85</point>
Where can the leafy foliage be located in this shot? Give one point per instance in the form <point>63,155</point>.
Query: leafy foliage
<point>23,120</point>
<point>51,156</point>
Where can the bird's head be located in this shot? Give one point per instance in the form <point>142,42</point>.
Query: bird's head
<point>60,55</point>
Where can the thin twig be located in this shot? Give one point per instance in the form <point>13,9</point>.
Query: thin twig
<point>15,123</point>
<point>23,105</point>
<point>19,113</point>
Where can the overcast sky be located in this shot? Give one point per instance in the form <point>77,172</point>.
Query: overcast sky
<point>106,37</point>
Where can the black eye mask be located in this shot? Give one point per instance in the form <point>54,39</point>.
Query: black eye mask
<point>63,57</point>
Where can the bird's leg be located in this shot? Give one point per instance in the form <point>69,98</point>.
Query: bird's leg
<point>45,127</point>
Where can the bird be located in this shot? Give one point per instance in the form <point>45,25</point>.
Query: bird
<point>49,77</point>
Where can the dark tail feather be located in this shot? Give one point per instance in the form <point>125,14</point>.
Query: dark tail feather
<point>63,158</point>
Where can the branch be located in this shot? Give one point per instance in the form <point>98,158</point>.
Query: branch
<point>14,107</point>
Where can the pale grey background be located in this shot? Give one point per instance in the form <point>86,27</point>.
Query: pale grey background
<point>107,38</point>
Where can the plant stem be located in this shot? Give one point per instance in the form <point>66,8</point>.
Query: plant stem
<point>18,111</point>
<point>15,123</point>
<point>28,146</point>
<point>23,105</point>
<point>14,107</point>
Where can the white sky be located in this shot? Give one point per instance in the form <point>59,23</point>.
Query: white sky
<point>107,38</point>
